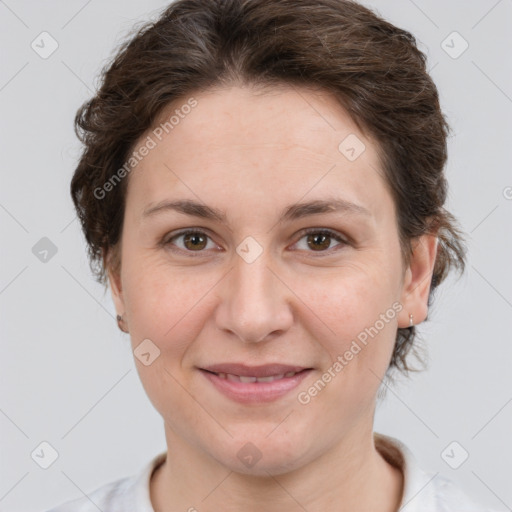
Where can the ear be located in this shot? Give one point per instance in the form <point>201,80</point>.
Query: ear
<point>114,278</point>
<point>417,279</point>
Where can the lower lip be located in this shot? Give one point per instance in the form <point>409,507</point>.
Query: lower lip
<point>254,392</point>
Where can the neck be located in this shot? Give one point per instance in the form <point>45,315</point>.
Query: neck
<point>352,475</point>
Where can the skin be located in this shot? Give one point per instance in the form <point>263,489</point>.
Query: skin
<point>250,155</point>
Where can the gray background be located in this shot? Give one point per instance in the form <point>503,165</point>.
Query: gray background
<point>66,373</point>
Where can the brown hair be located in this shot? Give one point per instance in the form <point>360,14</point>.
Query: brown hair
<point>373,69</point>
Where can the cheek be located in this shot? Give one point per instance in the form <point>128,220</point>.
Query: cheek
<point>355,322</point>
<point>167,305</point>
<point>346,300</point>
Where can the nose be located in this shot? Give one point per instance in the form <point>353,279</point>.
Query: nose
<point>255,304</point>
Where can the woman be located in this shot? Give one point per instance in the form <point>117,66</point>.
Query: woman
<point>262,186</point>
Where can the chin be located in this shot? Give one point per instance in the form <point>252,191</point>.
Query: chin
<point>266,466</point>
<point>264,454</point>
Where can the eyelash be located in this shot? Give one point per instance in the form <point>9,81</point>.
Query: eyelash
<point>166,242</point>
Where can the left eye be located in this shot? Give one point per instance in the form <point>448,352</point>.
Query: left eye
<point>193,241</point>
<point>319,240</point>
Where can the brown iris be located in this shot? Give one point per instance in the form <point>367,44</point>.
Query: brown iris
<point>324,239</point>
<point>197,241</point>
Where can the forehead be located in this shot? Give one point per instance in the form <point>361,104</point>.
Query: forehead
<point>243,118</point>
<point>272,143</point>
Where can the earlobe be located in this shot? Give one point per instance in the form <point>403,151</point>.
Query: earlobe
<point>117,296</point>
<point>418,277</point>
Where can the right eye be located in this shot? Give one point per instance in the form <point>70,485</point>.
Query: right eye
<point>193,240</point>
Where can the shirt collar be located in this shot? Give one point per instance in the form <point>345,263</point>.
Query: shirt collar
<point>419,489</point>
<point>142,484</point>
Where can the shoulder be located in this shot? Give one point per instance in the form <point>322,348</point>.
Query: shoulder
<point>110,497</point>
<point>424,491</point>
<point>451,498</point>
<point>123,495</point>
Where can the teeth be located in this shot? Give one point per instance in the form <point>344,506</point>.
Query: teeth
<point>267,379</point>
<point>247,379</point>
<point>243,378</point>
<point>270,378</point>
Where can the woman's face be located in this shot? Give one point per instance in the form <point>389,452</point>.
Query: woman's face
<point>250,287</point>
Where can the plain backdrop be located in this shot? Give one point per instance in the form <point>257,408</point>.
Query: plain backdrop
<point>67,375</point>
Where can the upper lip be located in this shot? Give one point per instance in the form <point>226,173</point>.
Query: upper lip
<point>266,370</point>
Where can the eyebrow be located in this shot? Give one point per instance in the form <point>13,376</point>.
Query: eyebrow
<point>291,212</point>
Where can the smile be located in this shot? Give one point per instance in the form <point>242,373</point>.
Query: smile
<point>248,378</point>
<point>255,385</point>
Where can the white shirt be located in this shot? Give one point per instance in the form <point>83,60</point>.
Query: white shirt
<point>423,491</point>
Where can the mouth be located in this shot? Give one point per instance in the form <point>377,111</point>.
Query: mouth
<point>247,384</point>
<point>251,378</point>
